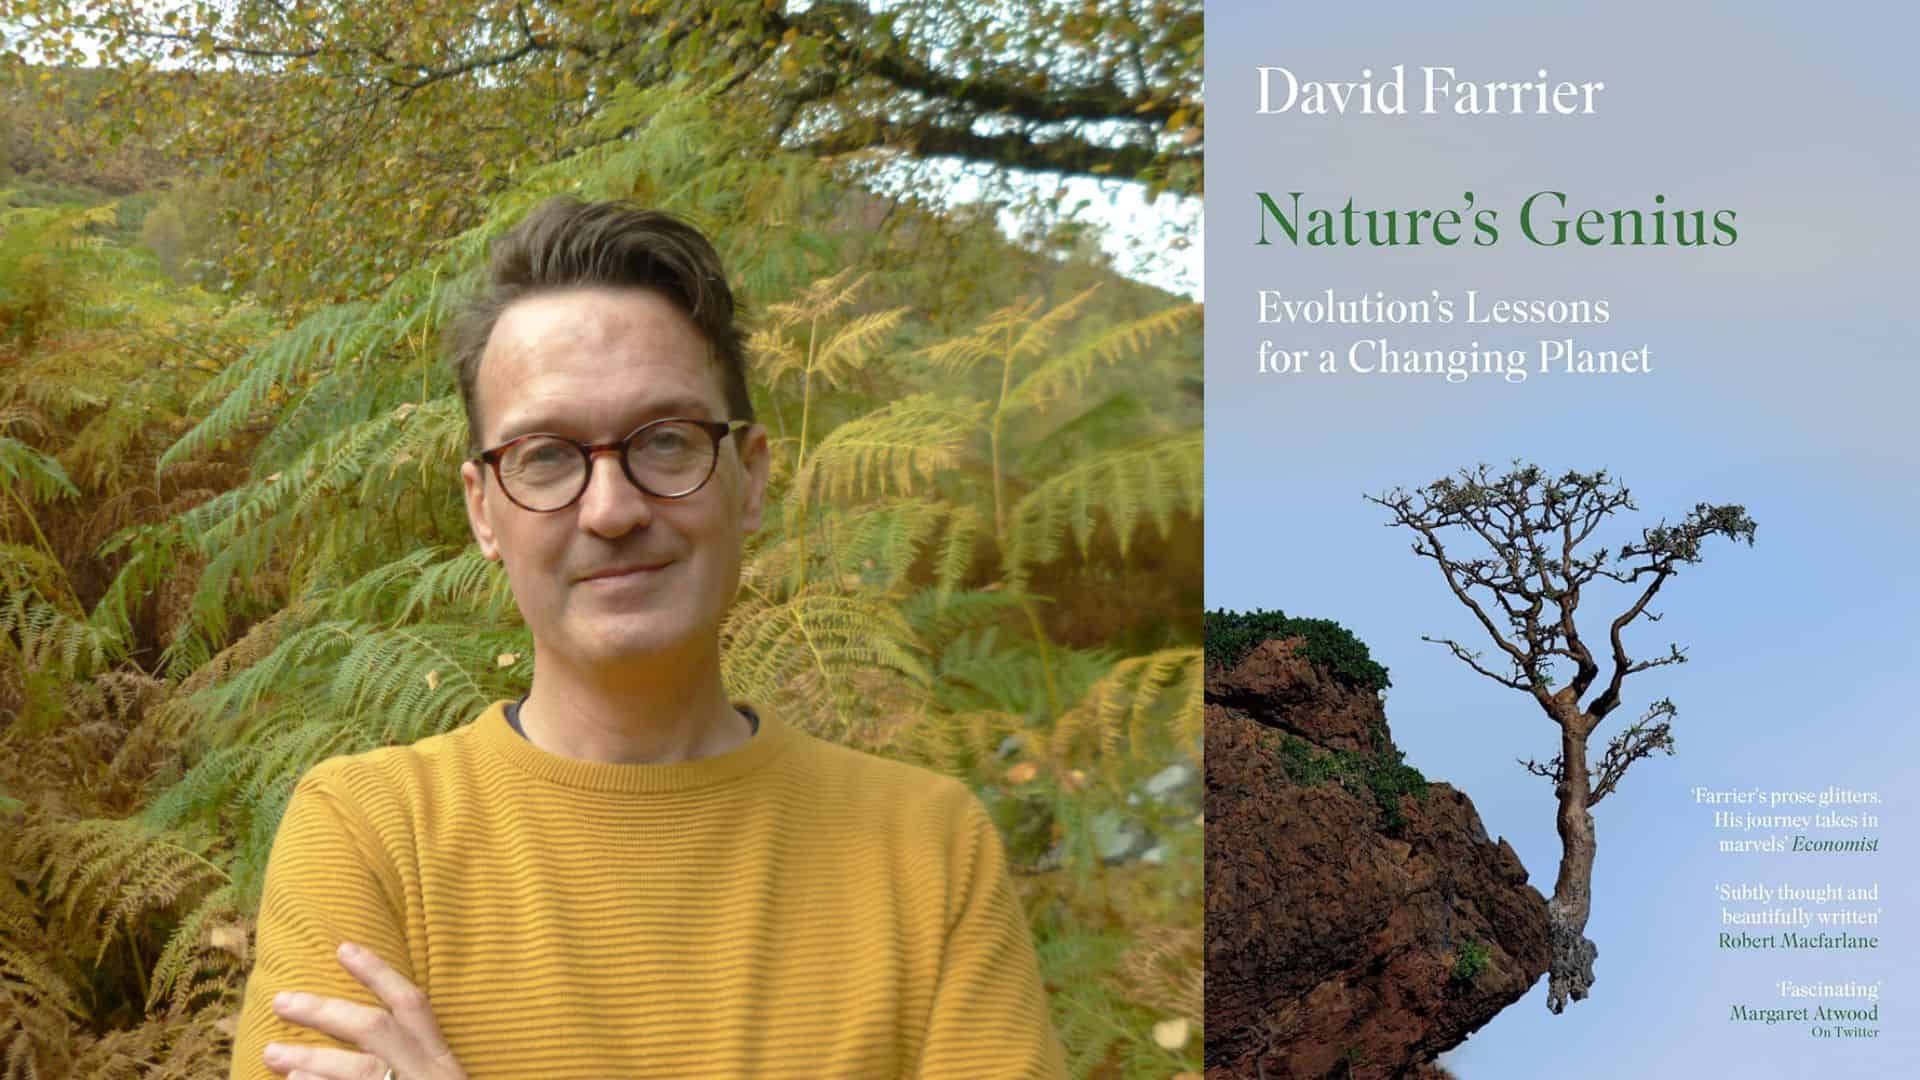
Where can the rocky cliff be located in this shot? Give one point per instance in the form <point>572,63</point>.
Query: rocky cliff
<point>1359,920</point>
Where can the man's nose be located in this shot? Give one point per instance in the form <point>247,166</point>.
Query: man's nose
<point>612,505</point>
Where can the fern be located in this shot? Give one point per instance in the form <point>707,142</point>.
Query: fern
<point>308,648</point>
<point>1165,972</point>
<point>823,657</point>
<point>50,639</point>
<point>418,680</point>
<point>27,473</point>
<point>280,505</point>
<point>108,875</point>
<point>890,449</point>
<point>191,967</point>
<point>992,671</point>
<point>245,388</point>
<point>1150,483</point>
<point>29,974</point>
<point>965,744</point>
<point>1036,336</point>
<point>1064,375</point>
<point>26,569</point>
<point>939,617</point>
<point>49,259</point>
<point>1145,706</point>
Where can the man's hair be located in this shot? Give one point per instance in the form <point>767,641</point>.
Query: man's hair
<point>566,243</point>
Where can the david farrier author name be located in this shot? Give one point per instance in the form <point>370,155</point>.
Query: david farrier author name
<point>1440,90</point>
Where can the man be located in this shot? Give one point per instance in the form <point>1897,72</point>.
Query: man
<point>624,874</point>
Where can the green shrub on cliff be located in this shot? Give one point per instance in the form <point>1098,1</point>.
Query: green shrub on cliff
<point>1231,635</point>
<point>1471,959</point>
<point>1384,776</point>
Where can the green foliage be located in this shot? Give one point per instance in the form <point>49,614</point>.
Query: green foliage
<point>1231,635</point>
<point>1383,776</point>
<point>1470,960</point>
<point>269,550</point>
<point>388,123</point>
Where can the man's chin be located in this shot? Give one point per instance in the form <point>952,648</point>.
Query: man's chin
<point>630,639</point>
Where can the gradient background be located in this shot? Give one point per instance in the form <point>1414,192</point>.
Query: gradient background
<point>1784,381</point>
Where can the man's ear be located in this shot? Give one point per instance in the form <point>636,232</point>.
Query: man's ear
<point>757,458</point>
<point>475,483</point>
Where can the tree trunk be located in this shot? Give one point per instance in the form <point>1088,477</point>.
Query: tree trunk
<point>1570,973</point>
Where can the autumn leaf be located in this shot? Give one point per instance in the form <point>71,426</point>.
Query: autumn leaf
<point>231,939</point>
<point>1172,1034</point>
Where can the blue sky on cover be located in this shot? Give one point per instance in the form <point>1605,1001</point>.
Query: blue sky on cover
<point>1784,380</point>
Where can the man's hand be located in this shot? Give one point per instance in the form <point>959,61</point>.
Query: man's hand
<point>402,1037</point>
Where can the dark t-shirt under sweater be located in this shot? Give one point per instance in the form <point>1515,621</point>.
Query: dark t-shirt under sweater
<point>513,717</point>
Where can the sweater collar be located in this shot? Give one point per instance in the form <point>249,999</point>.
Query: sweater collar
<point>499,739</point>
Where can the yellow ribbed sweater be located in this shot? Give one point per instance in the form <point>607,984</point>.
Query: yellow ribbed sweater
<point>791,908</point>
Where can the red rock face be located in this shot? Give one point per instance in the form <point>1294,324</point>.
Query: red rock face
<point>1334,934</point>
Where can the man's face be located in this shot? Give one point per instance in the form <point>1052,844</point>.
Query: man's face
<point>593,364</point>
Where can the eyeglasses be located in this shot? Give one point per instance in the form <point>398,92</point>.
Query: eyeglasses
<point>667,459</point>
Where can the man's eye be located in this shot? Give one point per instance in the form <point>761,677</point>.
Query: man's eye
<point>668,441</point>
<point>545,456</point>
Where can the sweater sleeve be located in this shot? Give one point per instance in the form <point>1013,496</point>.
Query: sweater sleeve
<point>989,1018</point>
<point>327,882</point>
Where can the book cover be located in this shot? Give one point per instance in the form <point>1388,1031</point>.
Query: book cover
<point>1560,507</point>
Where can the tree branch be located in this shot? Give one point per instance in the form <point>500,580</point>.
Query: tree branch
<point>1472,660</point>
<point>999,89</point>
<point>1651,734</point>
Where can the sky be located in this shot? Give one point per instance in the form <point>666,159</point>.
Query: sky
<point>1782,380</point>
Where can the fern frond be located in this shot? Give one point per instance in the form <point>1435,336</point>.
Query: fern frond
<point>29,569</point>
<point>959,355</point>
<point>244,388</point>
<point>236,571</point>
<point>109,875</point>
<point>774,357</point>
<point>1150,482</point>
<point>965,527</point>
<point>1036,338</point>
<point>1145,705</point>
<point>29,973</point>
<point>878,546</point>
<point>467,582</point>
<point>53,640</point>
<point>960,744</point>
<point>938,619</point>
<point>421,679</point>
<point>1066,373</point>
<point>181,973</point>
<point>1015,316</point>
<point>852,345</point>
<point>1166,971</point>
<point>23,418</point>
<point>29,474</point>
<point>369,597</point>
<point>429,440</point>
<point>818,654</point>
<point>979,671</point>
<point>315,646</point>
<point>875,546</point>
<point>820,300</point>
<point>888,449</point>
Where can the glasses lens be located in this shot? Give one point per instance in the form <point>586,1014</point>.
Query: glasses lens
<point>671,457</point>
<point>543,473</point>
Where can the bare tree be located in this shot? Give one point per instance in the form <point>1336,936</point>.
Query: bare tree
<point>1523,579</point>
